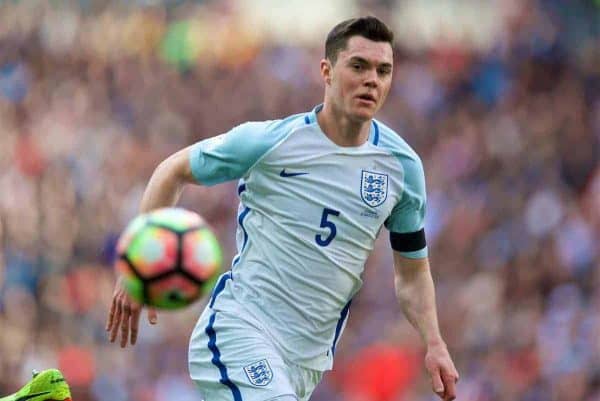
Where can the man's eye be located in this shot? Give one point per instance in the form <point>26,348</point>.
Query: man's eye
<point>357,67</point>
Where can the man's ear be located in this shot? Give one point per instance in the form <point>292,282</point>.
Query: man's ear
<point>326,69</point>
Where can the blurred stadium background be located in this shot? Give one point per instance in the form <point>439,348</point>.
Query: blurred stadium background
<point>500,98</point>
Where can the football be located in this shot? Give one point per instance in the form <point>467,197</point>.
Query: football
<point>168,258</point>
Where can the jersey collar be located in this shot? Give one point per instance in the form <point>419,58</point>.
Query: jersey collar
<point>311,118</point>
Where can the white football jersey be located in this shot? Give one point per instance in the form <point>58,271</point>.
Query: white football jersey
<point>309,214</point>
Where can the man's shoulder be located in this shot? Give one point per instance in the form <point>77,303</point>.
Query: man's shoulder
<point>279,126</point>
<point>390,140</point>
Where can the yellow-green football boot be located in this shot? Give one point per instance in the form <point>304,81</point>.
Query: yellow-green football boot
<point>48,385</point>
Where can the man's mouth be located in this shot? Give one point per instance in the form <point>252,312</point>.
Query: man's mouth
<point>368,98</point>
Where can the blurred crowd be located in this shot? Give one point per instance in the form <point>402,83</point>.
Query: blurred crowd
<point>92,99</point>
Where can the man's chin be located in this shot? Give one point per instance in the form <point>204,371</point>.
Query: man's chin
<point>362,115</point>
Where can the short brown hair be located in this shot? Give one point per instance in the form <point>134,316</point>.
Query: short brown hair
<point>368,27</point>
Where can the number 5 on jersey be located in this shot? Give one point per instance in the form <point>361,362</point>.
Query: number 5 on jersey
<point>325,223</point>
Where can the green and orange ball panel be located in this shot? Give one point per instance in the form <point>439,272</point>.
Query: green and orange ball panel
<point>168,258</point>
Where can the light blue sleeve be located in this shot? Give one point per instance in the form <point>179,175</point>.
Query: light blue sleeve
<point>409,213</point>
<point>229,156</point>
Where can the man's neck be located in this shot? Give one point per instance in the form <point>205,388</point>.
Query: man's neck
<point>341,130</point>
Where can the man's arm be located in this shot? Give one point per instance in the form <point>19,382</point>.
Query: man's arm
<point>167,181</point>
<point>416,293</point>
<point>163,190</point>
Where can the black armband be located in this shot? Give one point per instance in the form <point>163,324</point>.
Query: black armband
<point>408,242</point>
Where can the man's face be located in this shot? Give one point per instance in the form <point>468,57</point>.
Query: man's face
<point>360,80</point>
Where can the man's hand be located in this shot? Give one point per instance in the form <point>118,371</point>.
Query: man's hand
<point>442,371</point>
<point>125,312</point>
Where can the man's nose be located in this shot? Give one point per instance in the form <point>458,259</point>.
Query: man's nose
<point>372,80</point>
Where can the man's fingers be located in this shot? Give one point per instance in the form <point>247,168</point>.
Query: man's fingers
<point>116,321</point>
<point>135,321</point>
<point>436,383</point>
<point>449,386</point>
<point>111,314</point>
<point>124,318</point>
<point>125,325</point>
<point>152,316</point>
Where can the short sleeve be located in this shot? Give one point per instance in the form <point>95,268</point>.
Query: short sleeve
<point>230,156</point>
<point>405,223</point>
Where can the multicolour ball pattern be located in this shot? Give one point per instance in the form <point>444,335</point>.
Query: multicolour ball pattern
<point>168,258</point>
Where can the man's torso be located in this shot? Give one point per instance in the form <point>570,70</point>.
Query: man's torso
<point>309,214</point>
